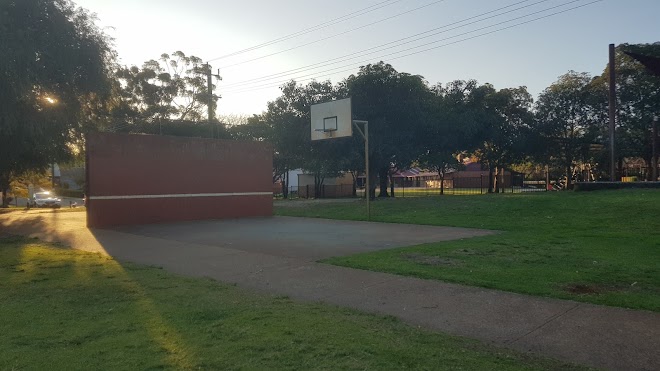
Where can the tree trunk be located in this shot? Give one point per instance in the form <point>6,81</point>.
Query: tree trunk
<point>496,184</point>
<point>649,168</point>
<point>354,175</point>
<point>569,180</point>
<point>5,202</point>
<point>391,185</point>
<point>318,184</point>
<point>502,182</point>
<point>442,182</point>
<point>382,177</point>
<point>490,179</point>
<point>4,186</point>
<point>285,185</point>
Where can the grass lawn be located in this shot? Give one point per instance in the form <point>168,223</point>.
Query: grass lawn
<point>15,209</point>
<point>598,247</point>
<point>66,309</point>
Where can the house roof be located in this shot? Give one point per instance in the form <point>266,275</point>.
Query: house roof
<point>413,172</point>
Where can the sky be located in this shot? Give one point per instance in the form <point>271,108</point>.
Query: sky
<point>343,35</point>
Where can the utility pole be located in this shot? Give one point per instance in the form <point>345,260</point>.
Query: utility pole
<point>612,113</point>
<point>654,146</point>
<point>365,135</point>
<point>209,87</point>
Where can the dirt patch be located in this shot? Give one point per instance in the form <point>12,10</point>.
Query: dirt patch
<point>431,260</point>
<point>593,289</point>
<point>471,252</point>
<point>581,289</point>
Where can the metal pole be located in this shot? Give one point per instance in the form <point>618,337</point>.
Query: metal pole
<point>366,162</point>
<point>612,113</point>
<point>654,146</point>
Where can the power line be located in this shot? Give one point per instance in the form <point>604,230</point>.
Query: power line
<point>332,36</point>
<point>426,44</point>
<point>428,49</point>
<point>397,42</point>
<point>320,26</point>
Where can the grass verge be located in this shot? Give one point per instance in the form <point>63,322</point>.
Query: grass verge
<point>66,309</point>
<point>14,209</point>
<point>598,247</point>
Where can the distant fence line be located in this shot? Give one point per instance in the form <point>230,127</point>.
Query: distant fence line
<point>459,186</point>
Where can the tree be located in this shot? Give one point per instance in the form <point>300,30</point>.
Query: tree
<point>508,113</point>
<point>396,105</point>
<point>171,88</point>
<point>566,122</point>
<point>638,100</point>
<point>444,135</point>
<point>54,71</point>
<point>289,116</point>
<point>477,119</point>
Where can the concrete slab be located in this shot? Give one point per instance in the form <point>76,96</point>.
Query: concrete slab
<point>311,281</point>
<point>303,238</point>
<point>613,338</point>
<point>491,315</point>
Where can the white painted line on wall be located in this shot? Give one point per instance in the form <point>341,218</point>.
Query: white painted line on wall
<point>180,195</point>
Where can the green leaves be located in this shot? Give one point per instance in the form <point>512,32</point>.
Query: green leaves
<point>55,65</point>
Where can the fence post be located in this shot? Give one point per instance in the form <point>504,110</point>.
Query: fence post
<point>481,184</point>
<point>307,192</point>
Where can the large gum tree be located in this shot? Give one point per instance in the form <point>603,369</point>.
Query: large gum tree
<point>54,73</point>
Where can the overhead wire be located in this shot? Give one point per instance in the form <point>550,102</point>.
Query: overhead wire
<point>397,42</point>
<point>317,27</point>
<point>439,40</point>
<point>428,49</point>
<point>331,36</point>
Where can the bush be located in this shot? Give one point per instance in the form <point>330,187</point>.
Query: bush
<point>62,192</point>
<point>599,186</point>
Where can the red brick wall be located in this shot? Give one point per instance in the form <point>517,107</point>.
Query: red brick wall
<point>140,179</point>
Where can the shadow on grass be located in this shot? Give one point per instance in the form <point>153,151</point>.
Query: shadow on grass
<point>87,311</point>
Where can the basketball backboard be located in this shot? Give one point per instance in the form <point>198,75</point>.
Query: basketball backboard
<point>332,119</point>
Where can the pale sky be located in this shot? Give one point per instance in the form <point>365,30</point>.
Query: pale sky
<point>532,54</point>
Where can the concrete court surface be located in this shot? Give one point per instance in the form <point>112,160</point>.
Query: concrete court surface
<point>599,336</point>
<point>302,238</point>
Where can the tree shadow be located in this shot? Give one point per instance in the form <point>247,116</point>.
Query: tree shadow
<point>24,264</point>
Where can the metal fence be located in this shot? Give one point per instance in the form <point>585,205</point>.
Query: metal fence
<point>514,183</point>
<point>324,191</point>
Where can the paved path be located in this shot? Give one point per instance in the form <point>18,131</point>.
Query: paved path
<point>594,335</point>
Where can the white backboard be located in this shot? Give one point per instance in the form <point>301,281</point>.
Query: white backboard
<point>332,120</point>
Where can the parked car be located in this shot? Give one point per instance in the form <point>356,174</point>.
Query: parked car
<point>45,199</point>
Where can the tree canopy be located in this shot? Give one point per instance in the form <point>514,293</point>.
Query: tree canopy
<point>397,106</point>
<point>55,68</point>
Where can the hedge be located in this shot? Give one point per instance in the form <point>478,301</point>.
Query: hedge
<point>72,193</point>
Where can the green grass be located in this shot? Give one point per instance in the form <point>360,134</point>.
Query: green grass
<point>63,209</point>
<point>72,310</point>
<point>598,247</point>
